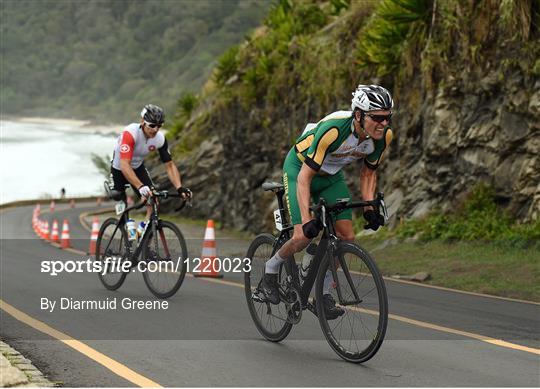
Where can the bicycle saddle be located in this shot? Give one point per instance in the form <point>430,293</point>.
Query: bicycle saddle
<point>272,186</point>
<point>111,193</point>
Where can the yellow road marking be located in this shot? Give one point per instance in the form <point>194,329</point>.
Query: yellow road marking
<point>84,215</point>
<point>487,339</point>
<point>109,363</point>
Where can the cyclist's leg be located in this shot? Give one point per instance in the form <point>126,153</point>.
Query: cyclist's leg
<point>143,175</point>
<point>319,185</point>
<point>119,182</point>
<point>337,189</point>
<point>298,241</point>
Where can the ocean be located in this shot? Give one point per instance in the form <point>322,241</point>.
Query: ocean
<point>38,157</point>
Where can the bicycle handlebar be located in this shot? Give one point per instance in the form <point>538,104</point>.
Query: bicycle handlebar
<point>164,194</point>
<point>341,205</point>
<point>346,204</point>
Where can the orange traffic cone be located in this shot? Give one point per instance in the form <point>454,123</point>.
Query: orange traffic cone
<point>72,203</point>
<point>209,262</point>
<point>42,229</point>
<point>54,234</point>
<point>46,230</point>
<point>34,219</point>
<point>52,206</point>
<point>94,236</point>
<point>65,235</point>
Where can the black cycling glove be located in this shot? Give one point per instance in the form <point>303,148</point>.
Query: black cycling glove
<point>312,228</point>
<point>185,193</point>
<point>374,220</point>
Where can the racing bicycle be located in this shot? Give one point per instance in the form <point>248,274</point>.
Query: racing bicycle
<point>161,244</point>
<point>358,286</point>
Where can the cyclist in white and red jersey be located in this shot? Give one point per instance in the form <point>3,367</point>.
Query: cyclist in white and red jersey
<point>135,142</point>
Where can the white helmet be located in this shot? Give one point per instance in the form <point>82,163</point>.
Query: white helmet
<point>371,98</point>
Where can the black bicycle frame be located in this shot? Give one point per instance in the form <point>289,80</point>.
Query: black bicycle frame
<point>122,222</point>
<point>327,245</point>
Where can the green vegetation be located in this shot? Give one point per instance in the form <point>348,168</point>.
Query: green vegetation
<point>477,219</point>
<point>393,26</point>
<point>266,54</point>
<point>185,106</point>
<point>227,66</point>
<point>308,55</point>
<point>104,59</point>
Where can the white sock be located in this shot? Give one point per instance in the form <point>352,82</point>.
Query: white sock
<point>328,281</point>
<point>272,265</point>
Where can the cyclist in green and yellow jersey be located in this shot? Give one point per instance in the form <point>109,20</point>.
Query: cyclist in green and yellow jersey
<point>312,170</point>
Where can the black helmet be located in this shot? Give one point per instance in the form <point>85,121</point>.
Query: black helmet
<point>153,114</point>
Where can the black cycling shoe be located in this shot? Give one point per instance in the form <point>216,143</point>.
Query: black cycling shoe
<point>269,286</point>
<point>330,310</point>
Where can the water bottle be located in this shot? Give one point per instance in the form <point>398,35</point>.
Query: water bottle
<point>140,229</point>
<point>306,261</point>
<point>131,229</point>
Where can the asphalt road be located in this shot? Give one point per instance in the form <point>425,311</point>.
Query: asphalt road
<point>206,337</point>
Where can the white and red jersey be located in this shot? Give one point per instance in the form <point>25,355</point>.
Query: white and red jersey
<point>133,145</point>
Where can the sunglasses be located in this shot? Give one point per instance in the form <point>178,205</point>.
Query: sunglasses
<point>380,118</point>
<point>153,125</point>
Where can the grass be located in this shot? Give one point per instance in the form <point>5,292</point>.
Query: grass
<point>479,267</point>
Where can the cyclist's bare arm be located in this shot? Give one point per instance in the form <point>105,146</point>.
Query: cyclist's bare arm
<point>303,192</point>
<point>368,183</point>
<point>174,174</point>
<point>127,171</point>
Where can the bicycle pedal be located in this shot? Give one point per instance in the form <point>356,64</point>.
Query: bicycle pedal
<point>258,298</point>
<point>311,307</point>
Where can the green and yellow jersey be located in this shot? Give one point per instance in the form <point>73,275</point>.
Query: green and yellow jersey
<point>332,143</point>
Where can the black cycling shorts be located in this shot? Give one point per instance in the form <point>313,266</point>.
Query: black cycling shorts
<point>120,181</point>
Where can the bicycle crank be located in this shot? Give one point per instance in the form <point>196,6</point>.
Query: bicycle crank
<point>293,305</point>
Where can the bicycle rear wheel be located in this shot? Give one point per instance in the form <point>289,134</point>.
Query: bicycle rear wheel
<point>112,245</point>
<point>270,320</point>
<point>357,335</point>
<point>165,254</point>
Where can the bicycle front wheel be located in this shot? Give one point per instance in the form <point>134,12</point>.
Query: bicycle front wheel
<point>112,248</point>
<point>357,335</point>
<point>271,320</point>
<point>165,254</point>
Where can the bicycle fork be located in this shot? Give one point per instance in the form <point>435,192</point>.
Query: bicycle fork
<point>345,269</point>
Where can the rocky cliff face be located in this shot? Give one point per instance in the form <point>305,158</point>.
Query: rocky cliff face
<point>486,131</point>
<point>455,125</point>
